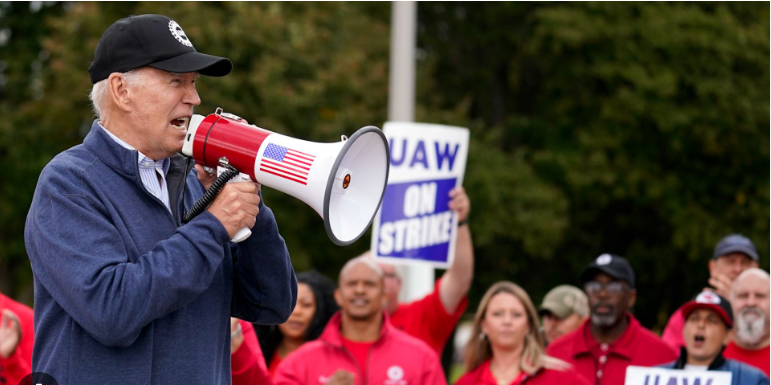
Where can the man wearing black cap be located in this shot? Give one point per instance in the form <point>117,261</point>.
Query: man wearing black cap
<point>708,322</point>
<point>124,291</point>
<point>611,339</point>
<point>733,254</point>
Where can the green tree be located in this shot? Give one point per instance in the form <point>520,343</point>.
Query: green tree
<point>646,122</point>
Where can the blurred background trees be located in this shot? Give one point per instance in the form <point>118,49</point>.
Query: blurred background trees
<point>640,129</point>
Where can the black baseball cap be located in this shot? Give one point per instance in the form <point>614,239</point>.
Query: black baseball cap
<point>714,302</point>
<point>735,243</point>
<point>153,41</point>
<point>612,265</point>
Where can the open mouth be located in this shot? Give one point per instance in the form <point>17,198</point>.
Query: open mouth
<point>180,123</point>
<point>359,302</point>
<point>698,340</point>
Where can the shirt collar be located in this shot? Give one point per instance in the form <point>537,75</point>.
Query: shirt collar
<point>624,346</point>
<point>718,362</point>
<point>143,161</point>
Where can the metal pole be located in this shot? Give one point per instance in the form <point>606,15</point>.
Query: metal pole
<point>401,101</point>
<point>417,281</point>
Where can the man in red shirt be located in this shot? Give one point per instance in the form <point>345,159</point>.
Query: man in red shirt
<point>16,340</point>
<point>433,318</point>
<point>750,298</point>
<point>611,339</point>
<point>734,254</point>
<point>359,344</point>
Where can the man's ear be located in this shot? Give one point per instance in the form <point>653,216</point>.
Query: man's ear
<point>338,298</point>
<point>118,91</point>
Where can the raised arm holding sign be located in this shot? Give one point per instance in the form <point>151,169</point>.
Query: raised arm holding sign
<point>423,220</point>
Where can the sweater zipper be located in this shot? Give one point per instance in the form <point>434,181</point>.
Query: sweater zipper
<point>366,368</point>
<point>181,194</point>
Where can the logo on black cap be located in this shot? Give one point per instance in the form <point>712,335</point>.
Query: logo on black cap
<point>179,34</point>
<point>603,260</point>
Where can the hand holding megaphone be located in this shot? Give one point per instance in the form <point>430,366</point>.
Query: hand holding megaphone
<point>344,181</point>
<point>219,209</point>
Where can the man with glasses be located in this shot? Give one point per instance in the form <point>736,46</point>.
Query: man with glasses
<point>611,339</point>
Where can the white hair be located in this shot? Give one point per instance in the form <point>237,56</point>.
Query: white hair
<point>98,95</point>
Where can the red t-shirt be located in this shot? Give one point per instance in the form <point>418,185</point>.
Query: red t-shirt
<point>605,364</point>
<point>19,364</point>
<point>359,351</point>
<point>274,364</point>
<point>760,358</point>
<point>427,319</point>
<point>487,377</point>
<point>483,376</point>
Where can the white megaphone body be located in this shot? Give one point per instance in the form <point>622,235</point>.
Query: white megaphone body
<point>343,181</point>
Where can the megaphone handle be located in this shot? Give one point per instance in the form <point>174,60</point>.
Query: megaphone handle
<point>244,232</point>
<point>241,235</point>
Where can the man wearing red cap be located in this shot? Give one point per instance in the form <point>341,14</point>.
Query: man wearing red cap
<point>733,254</point>
<point>708,321</point>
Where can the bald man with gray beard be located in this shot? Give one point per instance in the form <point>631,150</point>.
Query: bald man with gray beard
<point>750,299</point>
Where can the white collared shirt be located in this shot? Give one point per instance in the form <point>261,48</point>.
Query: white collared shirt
<point>149,170</point>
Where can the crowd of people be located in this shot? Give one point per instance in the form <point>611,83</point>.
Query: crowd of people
<point>584,336</point>
<point>127,293</point>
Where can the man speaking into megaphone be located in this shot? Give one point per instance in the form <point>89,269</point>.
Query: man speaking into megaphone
<point>124,291</point>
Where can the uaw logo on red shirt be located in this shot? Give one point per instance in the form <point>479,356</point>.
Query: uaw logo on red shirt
<point>395,376</point>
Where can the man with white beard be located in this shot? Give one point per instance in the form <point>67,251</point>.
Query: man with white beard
<point>750,298</point>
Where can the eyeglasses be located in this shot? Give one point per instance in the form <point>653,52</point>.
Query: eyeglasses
<point>594,287</point>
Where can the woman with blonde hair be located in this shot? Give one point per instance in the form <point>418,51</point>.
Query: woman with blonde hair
<point>506,348</point>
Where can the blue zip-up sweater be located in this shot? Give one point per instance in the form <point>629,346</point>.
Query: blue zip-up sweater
<point>125,294</point>
<point>741,373</point>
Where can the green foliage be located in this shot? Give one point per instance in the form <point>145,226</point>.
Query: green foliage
<point>646,123</point>
<point>635,128</point>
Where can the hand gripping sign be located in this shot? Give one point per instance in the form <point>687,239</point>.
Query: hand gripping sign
<point>414,223</point>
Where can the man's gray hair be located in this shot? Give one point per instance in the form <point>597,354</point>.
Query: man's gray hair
<point>98,95</point>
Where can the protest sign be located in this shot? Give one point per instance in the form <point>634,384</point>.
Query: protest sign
<point>414,223</point>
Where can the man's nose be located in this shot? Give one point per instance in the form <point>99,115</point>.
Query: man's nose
<point>191,96</point>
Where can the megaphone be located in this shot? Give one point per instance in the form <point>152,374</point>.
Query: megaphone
<point>343,181</point>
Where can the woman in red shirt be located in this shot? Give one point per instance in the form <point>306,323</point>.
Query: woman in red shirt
<point>315,306</point>
<point>506,347</point>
